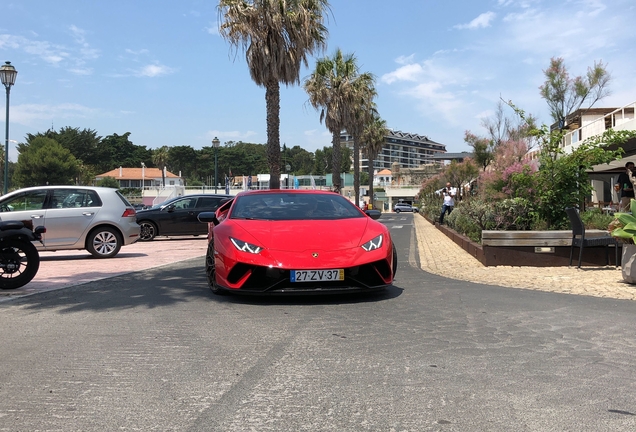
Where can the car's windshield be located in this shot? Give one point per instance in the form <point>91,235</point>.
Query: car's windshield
<point>294,206</point>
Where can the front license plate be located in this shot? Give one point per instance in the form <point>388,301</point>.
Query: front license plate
<point>317,275</point>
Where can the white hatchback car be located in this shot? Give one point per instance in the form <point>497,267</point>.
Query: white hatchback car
<point>97,219</point>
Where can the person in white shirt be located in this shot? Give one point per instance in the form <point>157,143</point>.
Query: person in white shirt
<point>449,201</point>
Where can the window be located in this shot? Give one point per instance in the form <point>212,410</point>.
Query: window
<point>208,202</point>
<point>33,200</point>
<point>70,198</point>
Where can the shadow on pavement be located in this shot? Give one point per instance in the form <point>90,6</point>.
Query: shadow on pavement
<point>389,293</point>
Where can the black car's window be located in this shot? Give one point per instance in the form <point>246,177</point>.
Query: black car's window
<point>294,206</point>
<point>73,198</point>
<point>184,204</point>
<point>33,200</point>
<point>208,202</point>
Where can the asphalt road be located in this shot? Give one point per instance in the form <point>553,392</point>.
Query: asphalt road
<point>154,350</point>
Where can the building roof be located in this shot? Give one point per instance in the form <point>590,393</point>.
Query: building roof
<point>384,172</point>
<point>452,156</point>
<point>409,136</point>
<point>135,173</point>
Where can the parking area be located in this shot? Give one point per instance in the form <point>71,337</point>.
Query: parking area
<point>67,268</point>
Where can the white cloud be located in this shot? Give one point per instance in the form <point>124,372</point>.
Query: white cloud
<point>154,70</point>
<point>228,135</point>
<point>408,72</point>
<point>137,52</point>
<point>213,29</point>
<point>34,114</point>
<point>482,21</point>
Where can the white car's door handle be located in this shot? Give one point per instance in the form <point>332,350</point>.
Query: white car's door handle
<point>37,216</point>
<point>88,213</point>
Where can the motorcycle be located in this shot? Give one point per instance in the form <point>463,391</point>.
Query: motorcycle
<point>19,258</point>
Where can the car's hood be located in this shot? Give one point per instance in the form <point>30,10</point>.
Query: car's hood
<point>301,235</point>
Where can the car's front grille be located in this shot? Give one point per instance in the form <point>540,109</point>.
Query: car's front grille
<point>264,279</point>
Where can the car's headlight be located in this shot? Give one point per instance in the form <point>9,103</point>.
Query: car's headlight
<point>245,246</point>
<point>373,244</point>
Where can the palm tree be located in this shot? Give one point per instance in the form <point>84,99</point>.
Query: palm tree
<point>277,36</point>
<point>363,114</point>
<point>333,89</point>
<point>374,137</point>
<point>160,158</point>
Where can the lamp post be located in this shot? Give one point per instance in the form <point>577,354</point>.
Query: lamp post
<point>215,143</point>
<point>7,75</point>
<point>143,177</point>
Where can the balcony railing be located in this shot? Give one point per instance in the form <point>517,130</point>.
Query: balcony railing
<point>620,119</point>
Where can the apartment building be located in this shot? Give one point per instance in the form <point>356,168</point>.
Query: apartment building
<point>409,150</point>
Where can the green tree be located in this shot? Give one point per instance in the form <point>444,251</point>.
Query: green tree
<point>373,137</point>
<point>110,182</point>
<point>182,159</point>
<point>83,144</point>
<point>118,151</point>
<point>160,159</point>
<point>332,90</point>
<point>483,154</point>
<point>562,179</point>
<point>565,95</point>
<point>277,36</point>
<point>44,161</point>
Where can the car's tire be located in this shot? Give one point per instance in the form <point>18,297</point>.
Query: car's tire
<point>148,231</point>
<point>20,262</point>
<point>104,242</point>
<point>397,210</point>
<point>395,261</point>
<point>210,270</point>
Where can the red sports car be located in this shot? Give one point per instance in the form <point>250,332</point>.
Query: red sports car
<point>296,242</point>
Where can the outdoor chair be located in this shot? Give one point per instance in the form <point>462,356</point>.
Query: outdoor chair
<point>578,238</point>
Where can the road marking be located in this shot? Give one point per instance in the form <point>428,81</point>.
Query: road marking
<point>397,226</point>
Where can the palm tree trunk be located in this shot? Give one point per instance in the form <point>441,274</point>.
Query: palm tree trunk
<point>336,161</point>
<point>272,100</point>
<point>371,158</point>
<point>356,168</point>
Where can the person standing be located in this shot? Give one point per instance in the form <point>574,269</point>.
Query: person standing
<point>449,201</point>
<point>626,187</point>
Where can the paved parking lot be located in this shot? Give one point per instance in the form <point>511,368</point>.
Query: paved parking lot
<point>60,269</point>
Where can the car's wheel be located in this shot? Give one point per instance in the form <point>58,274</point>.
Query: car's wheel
<point>397,210</point>
<point>210,269</point>
<point>395,262</point>
<point>148,231</point>
<point>103,242</point>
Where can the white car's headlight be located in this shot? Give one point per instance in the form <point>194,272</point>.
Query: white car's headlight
<point>373,244</point>
<point>245,246</point>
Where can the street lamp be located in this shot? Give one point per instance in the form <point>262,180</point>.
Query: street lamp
<point>287,168</point>
<point>7,75</point>
<point>143,177</point>
<point>215,143</point>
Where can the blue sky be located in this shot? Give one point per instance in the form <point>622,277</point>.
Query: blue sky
<point>159,70</point>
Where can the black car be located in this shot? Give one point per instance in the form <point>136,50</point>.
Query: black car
<point>178,216</point>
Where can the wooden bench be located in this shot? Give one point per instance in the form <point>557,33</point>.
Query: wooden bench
<point>534,238</point>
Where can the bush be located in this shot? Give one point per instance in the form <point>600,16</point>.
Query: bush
<point>472,216</point>
<point>596,219</point>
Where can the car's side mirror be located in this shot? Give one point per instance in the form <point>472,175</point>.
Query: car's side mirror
<point>373,214</point>
<point>208,217</point>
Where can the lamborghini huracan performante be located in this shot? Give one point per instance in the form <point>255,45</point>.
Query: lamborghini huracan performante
<point>297,242</point>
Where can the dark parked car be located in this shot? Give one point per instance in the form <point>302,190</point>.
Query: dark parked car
<point>178,216</point>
